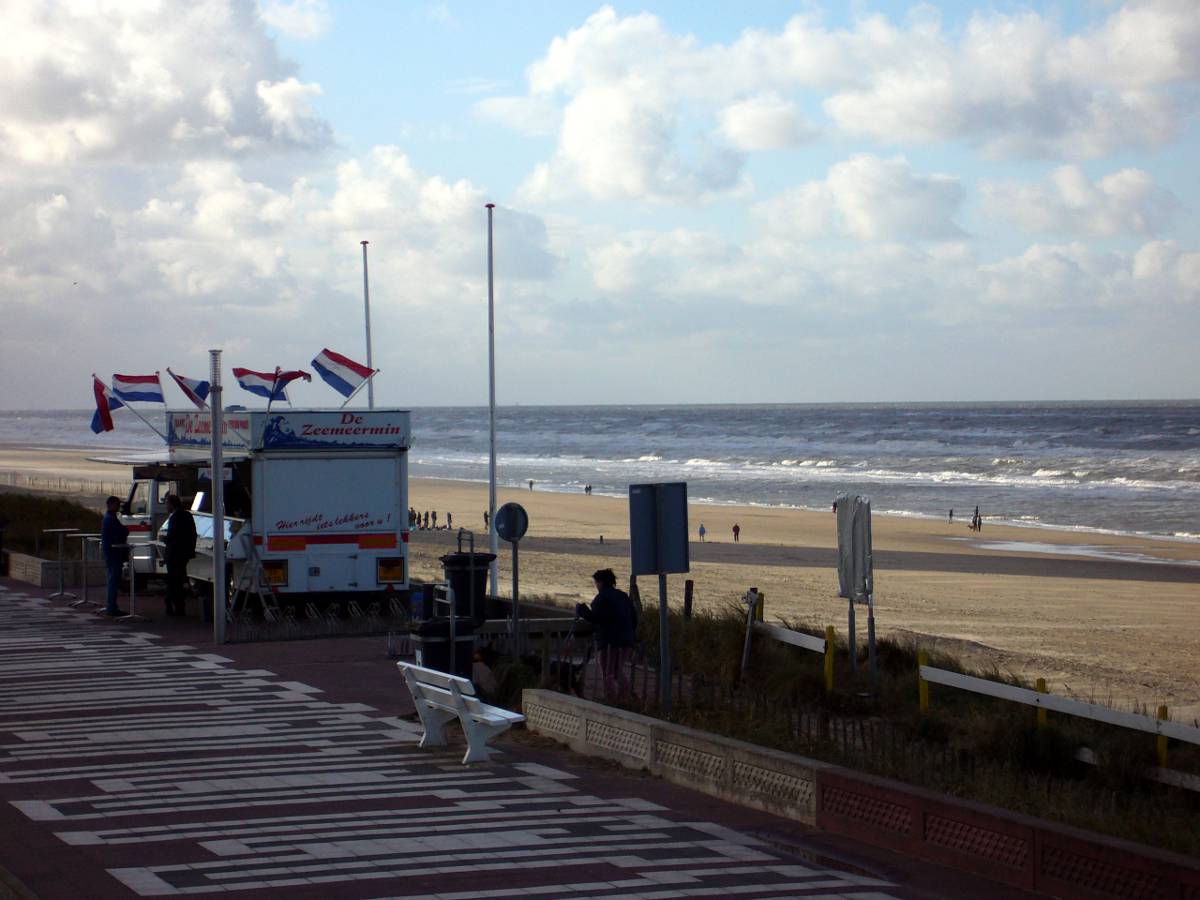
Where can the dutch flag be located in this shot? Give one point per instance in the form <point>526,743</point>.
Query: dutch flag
<point>147,388</point>
<point>271,385</point>
<point>196,390</point>
<point>102,419</point>
<point>342,374</point>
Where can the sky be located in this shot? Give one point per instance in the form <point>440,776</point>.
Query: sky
<point>764,202</point>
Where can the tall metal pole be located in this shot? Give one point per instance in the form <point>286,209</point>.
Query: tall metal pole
<point>492,538</point>
<point>367,316</point>
<point>218,496</point>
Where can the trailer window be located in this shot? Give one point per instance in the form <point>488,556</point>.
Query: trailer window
<point>139,495</point>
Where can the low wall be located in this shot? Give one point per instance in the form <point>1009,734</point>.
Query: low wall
<point>44,572</point>
<point>757,777</point>
<point>1021,851</point>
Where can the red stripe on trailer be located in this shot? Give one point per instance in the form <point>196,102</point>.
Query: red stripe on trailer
<point>283,543</point>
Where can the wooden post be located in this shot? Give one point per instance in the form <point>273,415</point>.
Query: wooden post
<point>1041,713</point>
<point>923,685</point>
<point>829,659</point>
<point>688,587</point>
<point>1163,716</point>
<point>760,611</point>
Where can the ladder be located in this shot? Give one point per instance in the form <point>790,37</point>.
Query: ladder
<point>253,583</point>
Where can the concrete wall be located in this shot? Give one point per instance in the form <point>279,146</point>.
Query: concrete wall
<point>44,572</point>
<point>996,844</point>
<point>721,767</point>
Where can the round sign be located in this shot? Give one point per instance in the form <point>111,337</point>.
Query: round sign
<point>512,522</point>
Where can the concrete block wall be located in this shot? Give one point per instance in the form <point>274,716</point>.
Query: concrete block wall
<point>1006,847</point>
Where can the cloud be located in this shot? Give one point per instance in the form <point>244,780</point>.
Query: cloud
<point>765,122</point>
<point>136,82</point>
<point>649,114</point>
<point>1068,202</point>
<point>867,198</point>
<point>305,20</point>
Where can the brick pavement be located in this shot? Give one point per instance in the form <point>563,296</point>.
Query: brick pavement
<point>142,761</point>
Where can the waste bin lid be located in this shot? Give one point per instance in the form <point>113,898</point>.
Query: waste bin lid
<point>463,560</point>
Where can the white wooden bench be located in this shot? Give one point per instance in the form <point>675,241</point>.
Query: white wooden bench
<point>441,698</point>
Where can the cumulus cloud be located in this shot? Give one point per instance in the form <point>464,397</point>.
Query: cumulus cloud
<point>632,95</point>
<point>1068,202</point>
<point>302,19</point>
<point>870,199</point>
<point>125,81</point>
<point>765,122</point>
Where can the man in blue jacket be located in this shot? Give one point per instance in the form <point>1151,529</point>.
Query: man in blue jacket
<point>113,537</point>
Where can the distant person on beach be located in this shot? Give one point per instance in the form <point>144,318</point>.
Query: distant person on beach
<point>433,515</point>
<point>450,520</point>
<point>835,506</point>
<point>531,484</point>
<point>112,535</point>
<point>702,532</point>
<point>178,535</point>
<point>485,518</point>
<point>951,516</point>
<point>737,530</point>
<point>425,526</point>
<point>614,618</point>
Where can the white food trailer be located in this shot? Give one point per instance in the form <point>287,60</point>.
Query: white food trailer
<point>316,501</point>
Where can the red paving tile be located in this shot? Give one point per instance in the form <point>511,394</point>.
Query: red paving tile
<point>142,760</point>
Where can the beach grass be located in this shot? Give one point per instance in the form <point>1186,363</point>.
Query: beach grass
<point>24,518</point>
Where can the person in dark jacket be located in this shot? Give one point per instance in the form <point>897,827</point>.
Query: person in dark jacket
<point>113,538</point>
<point>614,618</point>
<point>178,535</point>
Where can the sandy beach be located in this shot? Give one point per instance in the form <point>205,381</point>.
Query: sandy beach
<point>1109,618</point>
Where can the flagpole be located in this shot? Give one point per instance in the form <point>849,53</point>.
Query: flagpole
<point>126,405</point>
<point>354,393</point>
<point>218,496</point>
<point>367,317</point>
<point>493,545</point>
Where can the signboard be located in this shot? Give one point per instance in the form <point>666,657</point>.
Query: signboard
<point>193,428</point>
<point>512,522</point>
<point>658,528</point>
<point>855,576</point>
<point>330,429</point>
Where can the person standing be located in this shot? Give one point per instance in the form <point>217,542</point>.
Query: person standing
<point>178,535</point>
<point>113,537</point>
<point>702,532</point>
<point>951,515</point>
<point>531,484</point>
<point>433,515</point>
<point>614,617</point>
<point>737,531</point>
<point>450,521</point>
<point>485,518</point>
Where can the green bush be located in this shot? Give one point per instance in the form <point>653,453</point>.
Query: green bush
<point>27,516</point>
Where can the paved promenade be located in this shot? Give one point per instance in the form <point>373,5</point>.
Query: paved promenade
<point>137,762</point>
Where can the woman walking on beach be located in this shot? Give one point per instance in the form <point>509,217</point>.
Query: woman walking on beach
<point>614,617</point>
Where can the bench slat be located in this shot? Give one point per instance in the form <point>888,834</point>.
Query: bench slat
<point>440,679</point>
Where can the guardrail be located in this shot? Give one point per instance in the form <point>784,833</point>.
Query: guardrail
<point>1161,726</point>
<point>803,641</point>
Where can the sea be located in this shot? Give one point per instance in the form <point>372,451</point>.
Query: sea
<point>1124,468</point>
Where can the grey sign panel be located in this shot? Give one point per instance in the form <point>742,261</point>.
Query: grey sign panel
<point>658,528</point>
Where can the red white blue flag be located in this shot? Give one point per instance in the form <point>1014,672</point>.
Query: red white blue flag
<point>102,419</point>
<point>194,389</point>
<point>341,373</point>
<point>147,388</point>
<point>271,385</point>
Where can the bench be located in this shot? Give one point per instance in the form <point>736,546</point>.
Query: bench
<point>440,698</point>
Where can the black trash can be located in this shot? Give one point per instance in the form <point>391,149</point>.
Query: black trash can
<point>468,574</point>
<point>431,645</point>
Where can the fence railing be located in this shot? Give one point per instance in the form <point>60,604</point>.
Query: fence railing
<point>63,485</point>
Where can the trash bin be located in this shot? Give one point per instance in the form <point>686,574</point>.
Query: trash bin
<point>468,574</point>
<point>431,645</point>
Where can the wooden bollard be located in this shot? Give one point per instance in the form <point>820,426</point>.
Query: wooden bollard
<point>922,684</point>
<point>829,659</point>
<point>760,611</point>
<point>1163,716</point>
<point>1041,713</point>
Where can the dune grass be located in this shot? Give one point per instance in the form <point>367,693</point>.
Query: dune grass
<point>25,516</point>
